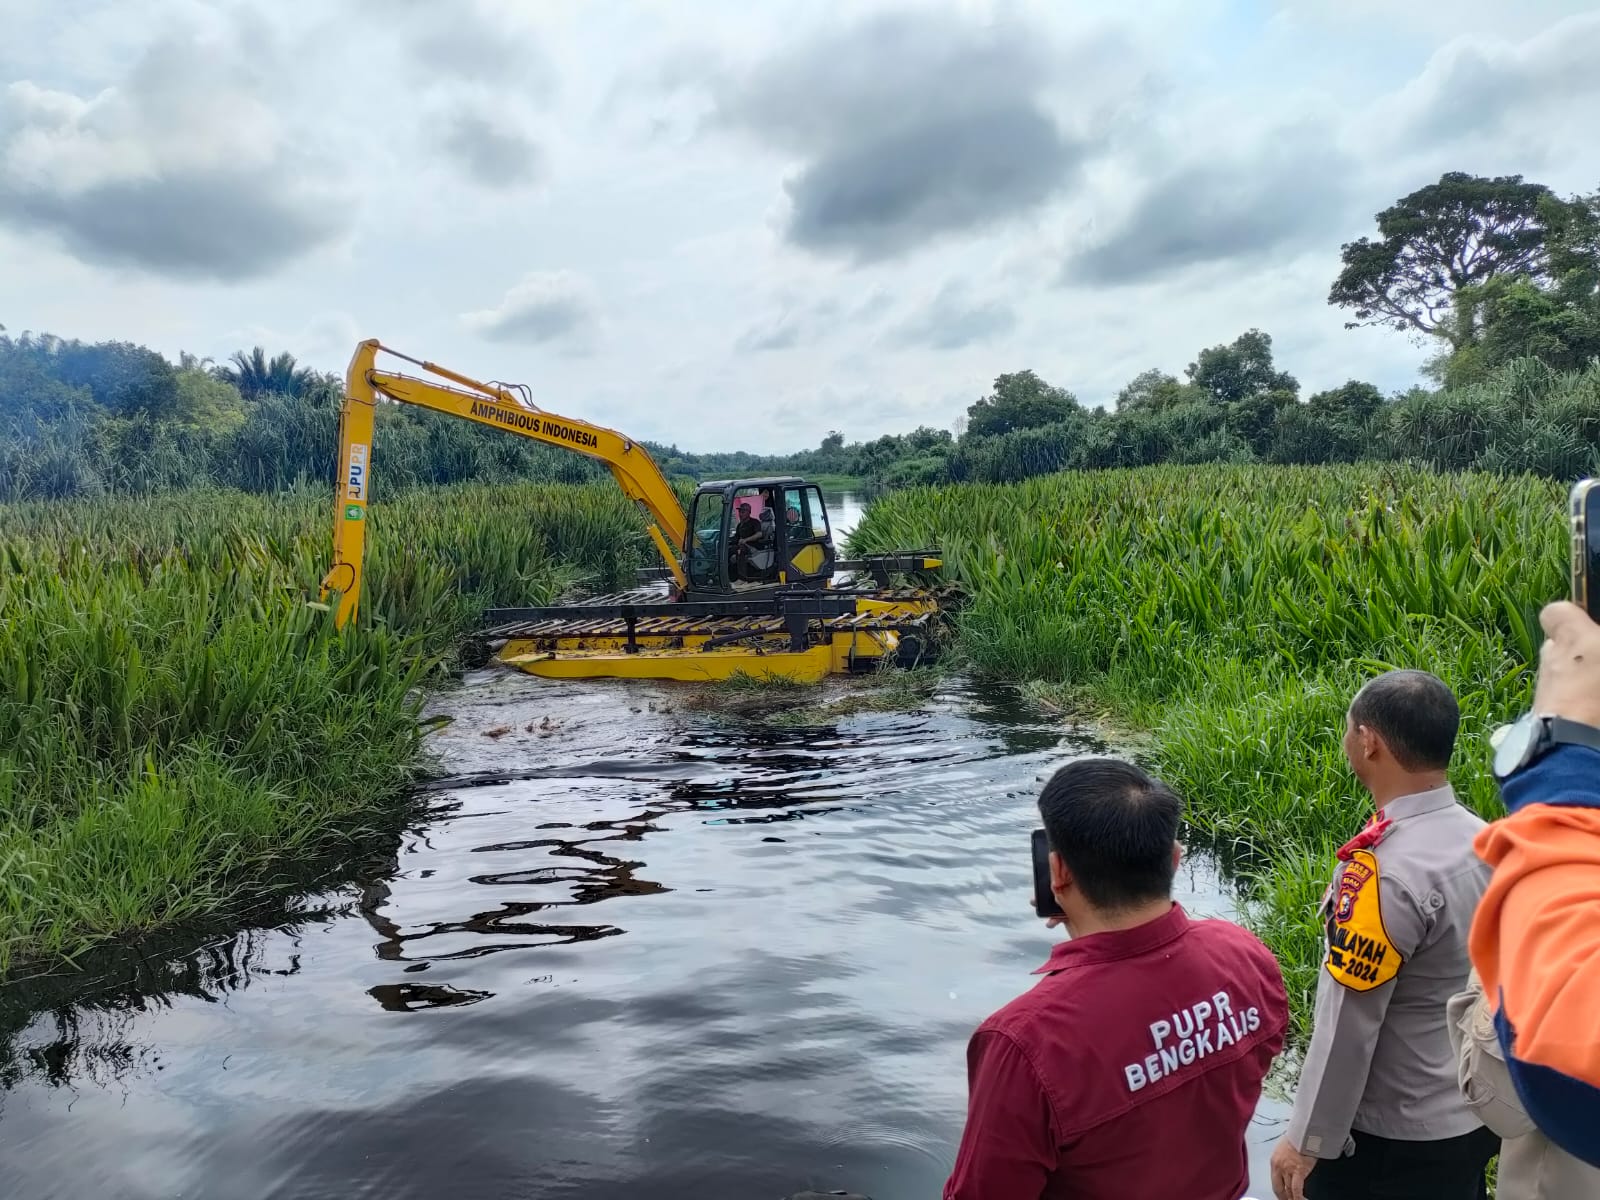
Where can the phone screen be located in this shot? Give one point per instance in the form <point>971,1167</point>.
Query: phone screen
<point>1586,546</point>
<point>1044,901</point>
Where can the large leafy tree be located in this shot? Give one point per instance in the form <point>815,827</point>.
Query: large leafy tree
<point>1019,401</point>
<point>1333,426</point>
<point>120,377</point>
<point>926,439</point>
<point>1559,322</point>
<point>1241,370</point>
<point>1574,242</point>
<point>1353,401</point>
<point>1460,232</point>
<point>255,375</point>
<point>1552,314</point>
<point>30,394</point>
<point>1516,318</point>
<point>1154,391</point>
<point>206,401</point>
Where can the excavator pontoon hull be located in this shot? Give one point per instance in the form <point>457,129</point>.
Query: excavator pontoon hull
<point>844,654</point>
<point>801,637</point>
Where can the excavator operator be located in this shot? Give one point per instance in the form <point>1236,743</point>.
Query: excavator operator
<point>745,536</point>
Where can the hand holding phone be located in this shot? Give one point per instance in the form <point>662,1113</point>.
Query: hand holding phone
<point>1586,546</point>
<point>1569,666</point>
<point>1044,900</point>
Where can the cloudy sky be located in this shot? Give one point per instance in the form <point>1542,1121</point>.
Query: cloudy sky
<point>742,223</point>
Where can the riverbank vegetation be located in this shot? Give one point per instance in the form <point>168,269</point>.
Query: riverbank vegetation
<point>1233,611</point>
<point>179,728</point>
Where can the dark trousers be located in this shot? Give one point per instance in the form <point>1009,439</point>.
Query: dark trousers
<point>1385,1169</point>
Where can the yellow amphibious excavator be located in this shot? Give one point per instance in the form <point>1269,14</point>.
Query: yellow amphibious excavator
<point>751,585</point>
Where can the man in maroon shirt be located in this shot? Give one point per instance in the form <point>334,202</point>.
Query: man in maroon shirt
<point>1133,1067</point>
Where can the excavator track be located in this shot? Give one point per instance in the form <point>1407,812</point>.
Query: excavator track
<point>649,613</point>
<point>801,634</point>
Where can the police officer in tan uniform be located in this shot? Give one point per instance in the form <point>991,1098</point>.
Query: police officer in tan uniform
<point>1378,1112</point>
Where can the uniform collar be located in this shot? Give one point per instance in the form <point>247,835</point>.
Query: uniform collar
<point>1417,803</point>
<point>1118,943</point>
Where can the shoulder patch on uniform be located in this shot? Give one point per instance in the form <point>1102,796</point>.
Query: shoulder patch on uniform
<point>1360,954</point>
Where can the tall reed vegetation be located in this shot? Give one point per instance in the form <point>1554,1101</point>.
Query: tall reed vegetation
<point>179,728</point>
<point>1233,612</point>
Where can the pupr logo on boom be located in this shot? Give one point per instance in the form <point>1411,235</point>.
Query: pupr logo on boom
<point>355,479</point>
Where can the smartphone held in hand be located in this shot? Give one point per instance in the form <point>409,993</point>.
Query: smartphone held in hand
<point>1044,901</point>
<point>1586,546</point>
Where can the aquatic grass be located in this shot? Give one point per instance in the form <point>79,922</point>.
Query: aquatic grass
<point>786,700</point>
<point>887,689</point>
<point>178,725</point>
<point>1280,905</point>
<point>1231,612</point>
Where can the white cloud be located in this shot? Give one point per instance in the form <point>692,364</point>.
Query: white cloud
<point>491,148</point>
<point>956,318</point>
<point>325,341</point>
<point>1375,19</point>
<point>1289,187</point>
<point>557,308</point>
<point>910,125</point>
<point>182,167</point>
<point>1478,89</point>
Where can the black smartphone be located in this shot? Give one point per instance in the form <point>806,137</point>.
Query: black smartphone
<point>1586,546</point>
<point>1044,900</point>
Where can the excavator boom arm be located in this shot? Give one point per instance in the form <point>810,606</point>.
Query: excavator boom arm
<point>488,404</point>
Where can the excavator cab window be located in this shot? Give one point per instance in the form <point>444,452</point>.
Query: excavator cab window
<point>808,540</point>
<point>706,556</point>
<point>753,536</point>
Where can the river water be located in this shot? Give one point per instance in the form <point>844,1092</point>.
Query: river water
<point>649,950</point>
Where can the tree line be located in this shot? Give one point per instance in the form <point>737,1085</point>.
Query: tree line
<point>82,418</point>
<point>1500,275</point>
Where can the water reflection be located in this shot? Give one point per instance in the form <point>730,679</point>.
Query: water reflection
<point>408,997</point>
<point>670,952</point>
<point>76,1027</point>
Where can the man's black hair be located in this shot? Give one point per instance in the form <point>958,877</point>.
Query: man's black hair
<point>1414,713</point>
<point>1114,827</point>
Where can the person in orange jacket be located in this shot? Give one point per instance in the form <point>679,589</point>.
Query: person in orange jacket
<point>1535,939</point>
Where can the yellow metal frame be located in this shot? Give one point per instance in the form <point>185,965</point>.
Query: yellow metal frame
<point>490,404</point>
<point>688,662</point>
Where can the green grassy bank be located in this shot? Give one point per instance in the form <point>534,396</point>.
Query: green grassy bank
<point>179,729</point>
<point>1231,612</point>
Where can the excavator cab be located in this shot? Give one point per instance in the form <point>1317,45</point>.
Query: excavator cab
<point>750,535</point>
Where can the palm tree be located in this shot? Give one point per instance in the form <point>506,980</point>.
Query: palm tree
<point>254,374</point>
